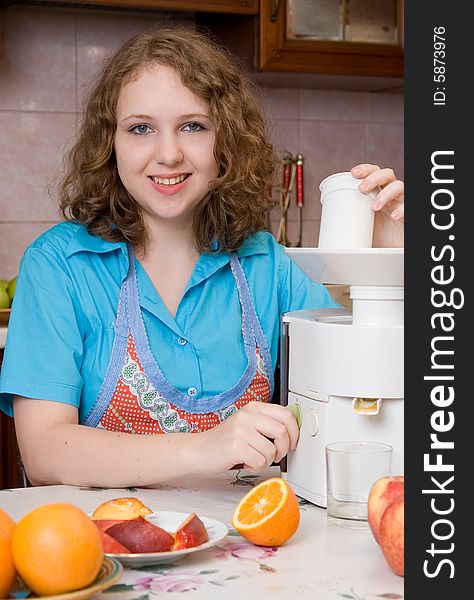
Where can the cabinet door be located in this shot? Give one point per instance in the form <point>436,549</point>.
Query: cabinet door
<point>345,37</point>
<point>249,7</point>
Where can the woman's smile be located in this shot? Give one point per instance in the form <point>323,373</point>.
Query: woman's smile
<point>169,184</point>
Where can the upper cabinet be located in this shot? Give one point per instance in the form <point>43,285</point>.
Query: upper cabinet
<point>245,7</point>
<point>344,37</point>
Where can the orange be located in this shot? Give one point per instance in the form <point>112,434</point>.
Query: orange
<point>6,522</point>
<point>56,549</point>
<point>7,567</point>
<point>268,515</point>
<point>121,508</point>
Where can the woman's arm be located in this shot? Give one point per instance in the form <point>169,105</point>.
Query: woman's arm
<point>55,449</point>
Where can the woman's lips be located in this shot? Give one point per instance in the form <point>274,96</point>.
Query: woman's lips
<point>169,190</point>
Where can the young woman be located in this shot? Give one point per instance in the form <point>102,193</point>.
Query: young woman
<point>155,307</point>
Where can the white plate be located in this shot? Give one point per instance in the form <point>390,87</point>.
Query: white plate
<point>170,521</point>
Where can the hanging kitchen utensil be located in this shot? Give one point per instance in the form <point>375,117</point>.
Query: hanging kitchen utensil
<point>289,176</point>
<point>299,197</point>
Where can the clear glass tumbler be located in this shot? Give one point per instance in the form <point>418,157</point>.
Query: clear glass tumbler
<point>351,470</point>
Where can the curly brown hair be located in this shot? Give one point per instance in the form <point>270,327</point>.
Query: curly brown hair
<point>239,199</point>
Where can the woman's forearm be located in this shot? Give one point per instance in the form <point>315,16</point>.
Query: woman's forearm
<point>67,453</point>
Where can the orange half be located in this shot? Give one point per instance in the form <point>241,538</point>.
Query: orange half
<point>268,515</point>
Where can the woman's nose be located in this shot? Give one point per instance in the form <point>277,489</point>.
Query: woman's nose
<point>168,150</point>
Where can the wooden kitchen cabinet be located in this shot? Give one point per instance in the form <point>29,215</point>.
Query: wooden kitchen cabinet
<point>247,7</point>
<point>280,50</point>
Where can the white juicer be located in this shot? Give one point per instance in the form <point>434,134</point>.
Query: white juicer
<point>345,371</point>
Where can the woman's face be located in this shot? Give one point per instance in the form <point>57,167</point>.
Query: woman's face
<point>164,146</point>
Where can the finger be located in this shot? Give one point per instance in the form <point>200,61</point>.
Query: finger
<point>275,431</point>
<point>399,213</point>
<point>393,192</point>
<point>379,178</point>
<point>363,170</point>
<point>280,414</point>
<point>258,454</point>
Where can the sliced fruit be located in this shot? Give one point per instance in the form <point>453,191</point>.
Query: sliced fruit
<point>139,535</point>
<point>192,532</point>
<point>268,515</point>
<point>121,509</point>
<point>111,545</point>
<point>105,524</point>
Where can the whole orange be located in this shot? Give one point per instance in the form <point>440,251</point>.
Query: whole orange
<point>56,549</point>
<point>6,522</point>
<point>7,568</point>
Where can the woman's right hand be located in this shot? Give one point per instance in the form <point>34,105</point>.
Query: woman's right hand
<point>255,436</point>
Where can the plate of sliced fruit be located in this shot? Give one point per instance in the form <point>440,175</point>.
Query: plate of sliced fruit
<point>137,536</point>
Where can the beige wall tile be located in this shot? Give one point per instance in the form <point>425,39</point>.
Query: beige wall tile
<point>280,103</point>
<point>31,145</point>
<point>385,146</point>
<point>17,237</point>
<point>99,34</point>
<point>328,147</point>
<point>328,105</point>
<point>386,108</point>
<point>37,60</point>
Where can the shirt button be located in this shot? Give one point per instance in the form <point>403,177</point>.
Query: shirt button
<point>182,341</point>
<point>192,391</point>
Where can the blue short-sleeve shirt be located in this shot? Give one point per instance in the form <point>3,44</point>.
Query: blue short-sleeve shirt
<point>61,328</point>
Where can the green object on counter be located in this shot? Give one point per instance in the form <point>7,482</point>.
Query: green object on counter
<point>4,299</point>
<point>296,412</point>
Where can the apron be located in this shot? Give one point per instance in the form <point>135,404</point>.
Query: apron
<point>135,396</point>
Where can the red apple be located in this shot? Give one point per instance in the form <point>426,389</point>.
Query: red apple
<point>139,535</point>
<point>111,545</point>
<point>384,492</point>
<point>391,536</point>
<point>192,532</point>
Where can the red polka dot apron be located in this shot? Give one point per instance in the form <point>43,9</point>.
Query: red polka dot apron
<point>137,398</point>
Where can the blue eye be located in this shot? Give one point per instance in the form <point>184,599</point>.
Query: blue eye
<point>193,126</point>
<point>140,129</point>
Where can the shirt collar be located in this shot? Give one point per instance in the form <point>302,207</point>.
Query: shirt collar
<point>255,244</point>
<point>209,263</point>
<point>83,241</point>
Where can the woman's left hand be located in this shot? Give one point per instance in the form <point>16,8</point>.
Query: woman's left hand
<point>389,205</point>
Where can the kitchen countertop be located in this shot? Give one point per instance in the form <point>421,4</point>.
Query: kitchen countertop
<point>321,560</point>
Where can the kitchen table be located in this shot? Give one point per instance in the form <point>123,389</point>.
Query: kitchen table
<point>320,561</point>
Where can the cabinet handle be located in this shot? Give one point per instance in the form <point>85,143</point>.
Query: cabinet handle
<point>276,8</point>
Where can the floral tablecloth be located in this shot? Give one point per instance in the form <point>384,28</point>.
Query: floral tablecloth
<point>320,561</point>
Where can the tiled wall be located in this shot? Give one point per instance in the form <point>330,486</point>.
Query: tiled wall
<point>49,56</point>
